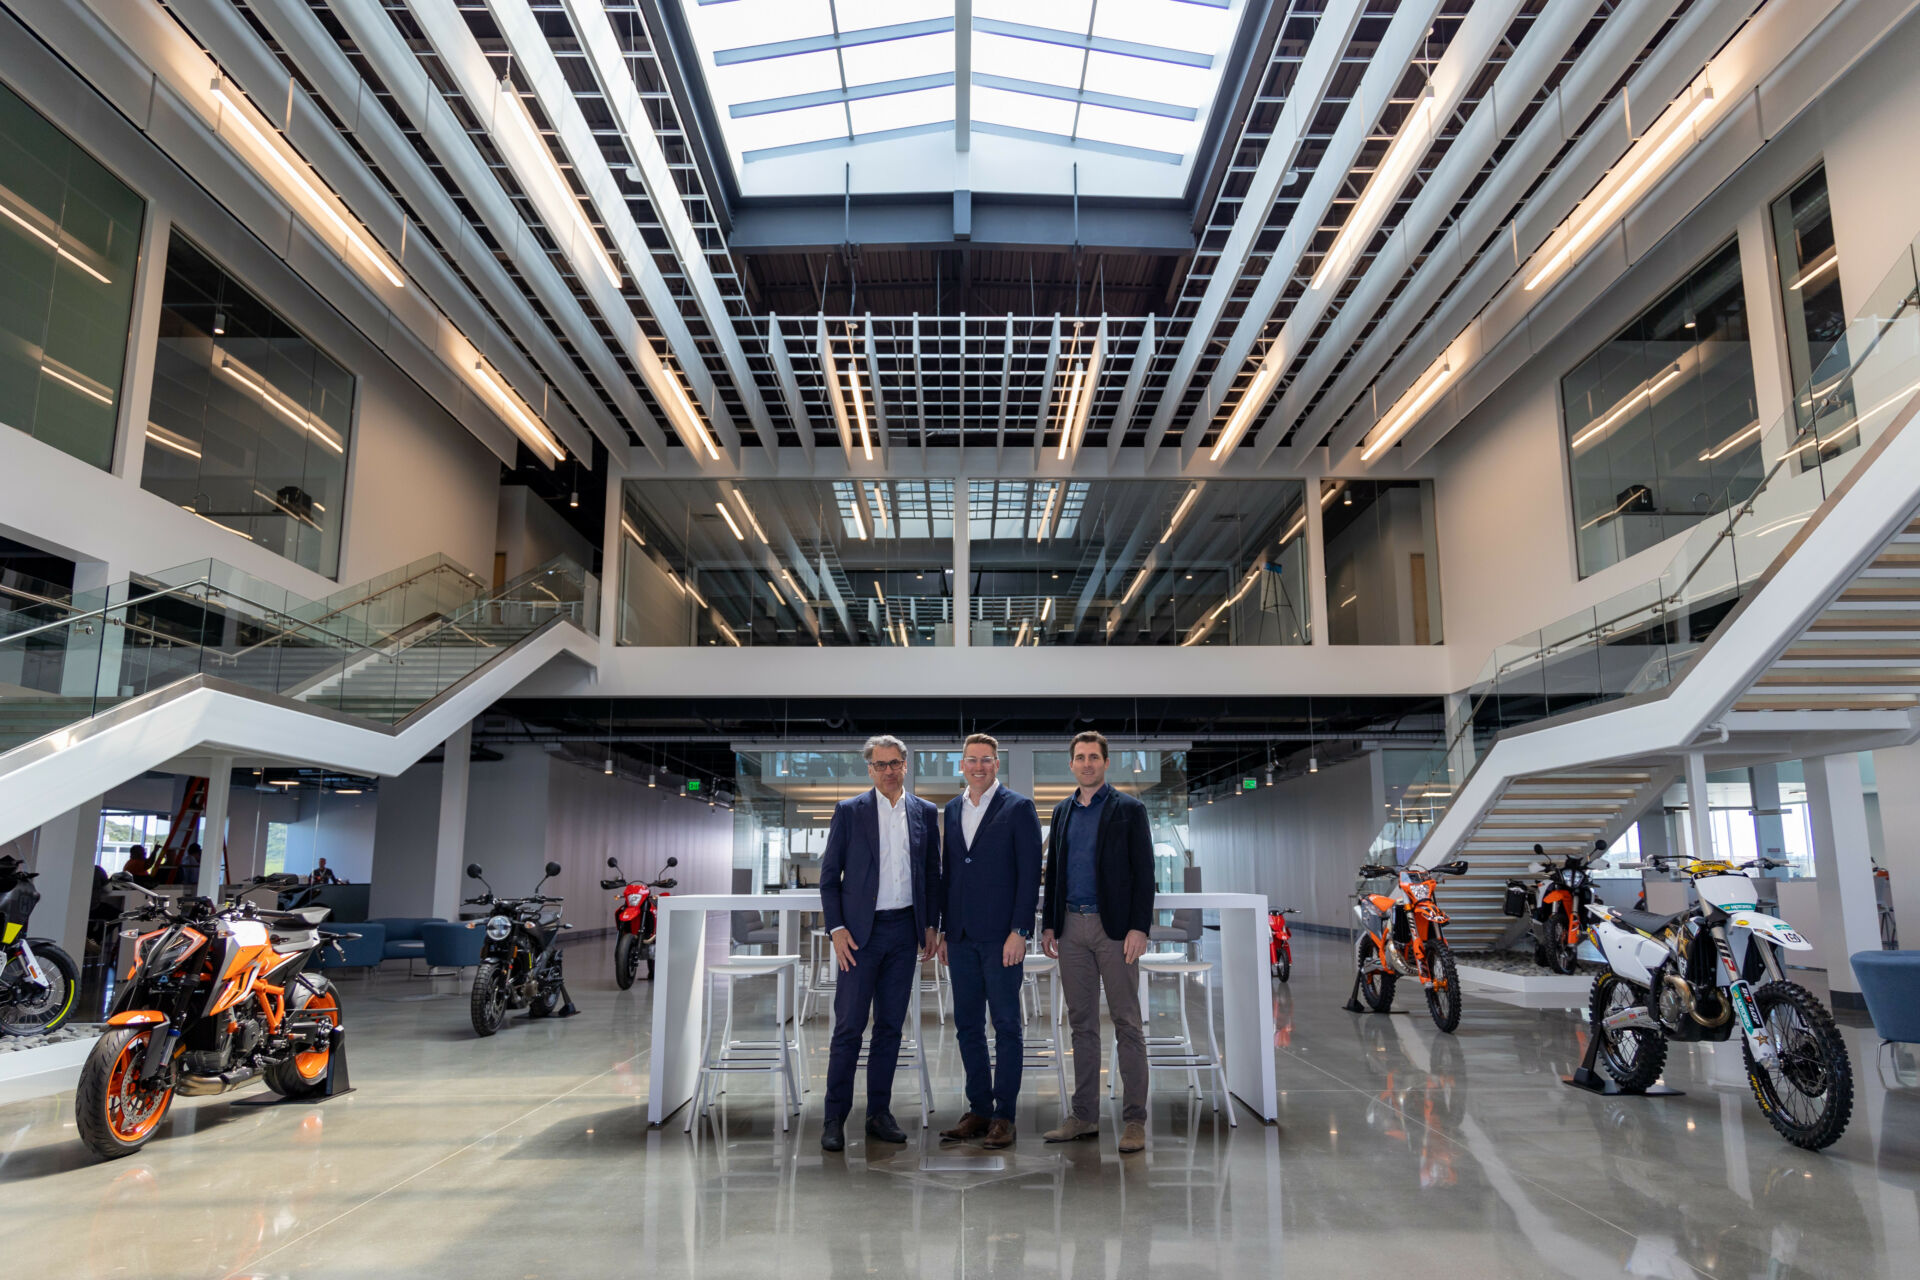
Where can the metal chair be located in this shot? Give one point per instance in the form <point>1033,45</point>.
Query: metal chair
<point>1179,1053</point>
<point>763,1057</point>
<point>1050,1052</point>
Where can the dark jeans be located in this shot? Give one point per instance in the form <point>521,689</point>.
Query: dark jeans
<point>980,983</point>
<point>882,980</point>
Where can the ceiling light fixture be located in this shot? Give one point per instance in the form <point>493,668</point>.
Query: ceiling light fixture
<point>274,400</point>
<point>573,498</point>
<point>1626,406</point>
<point>747,511</point>
<point>1402,153</point>
<point>1643,170</point>
<point>1820,266</point>
<point>1077,387</point>
<point>689,416</point>
<point>877,590</point>
<point>305,185</point>
<point>859,525</point>
<point>1408,413</point>
<point>1263,379</point>
<point>1179,512</point>
<point>51,241</point>
<point>530,427</point>
<point>727,515</point>
<point>1046,609</point>
<point>1026,628</point>
<point>727,631</point>
<point>627,527</point>
<point>171,440</point>
<point>92,393</point>
<point>1138,578</point>
<point>1346,496</point>
<point>859,401</point>
<point>219,323</point>
<point>776,592</point>
<point>879,496</point>
<point>1046,514</point>
<point>1732,442</point>
<point>561,189</point>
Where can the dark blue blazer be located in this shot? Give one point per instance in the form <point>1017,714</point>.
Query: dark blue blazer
<point>850,869</point>
<point>992,888</point>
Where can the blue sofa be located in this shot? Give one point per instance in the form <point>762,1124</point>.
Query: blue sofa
<point>1890,982</point>
<point>451,946</point>
<point>403,936</point>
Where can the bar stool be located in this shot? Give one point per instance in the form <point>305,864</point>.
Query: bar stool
<point>822,975</point>
<point>1171,1053</point>
<point>765,1057</point>
<point>910,1055</point>
<point>1039,1054</point>
<point>935,982</point>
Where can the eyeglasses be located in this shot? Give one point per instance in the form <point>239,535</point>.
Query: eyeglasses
<point>887,766</point>
<point>978,763</point>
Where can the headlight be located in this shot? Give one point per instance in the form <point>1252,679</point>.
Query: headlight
<point>1421,892</point>
<point>635,899</point>
<point>498,927</point>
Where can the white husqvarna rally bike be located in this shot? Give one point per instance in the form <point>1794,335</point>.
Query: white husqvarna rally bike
<point>1701,973</point>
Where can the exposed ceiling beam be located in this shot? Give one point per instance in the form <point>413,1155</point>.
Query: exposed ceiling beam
<point>1330,38</point>
<point>840,95</point>
<point>789,388</point>
<point>1085,97</point>
<point>962,75</point>
<point>1385,70</point>
<point>828,41</point>
<point>1091,43</point>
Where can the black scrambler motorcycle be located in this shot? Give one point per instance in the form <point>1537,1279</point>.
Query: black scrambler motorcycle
<point>520,963</point>
<point>38,981</point>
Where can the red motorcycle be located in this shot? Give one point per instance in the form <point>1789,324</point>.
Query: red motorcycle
<point>637,921</point>
<point>1280,942</point>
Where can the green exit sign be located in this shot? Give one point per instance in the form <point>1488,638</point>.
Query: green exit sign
<point>693,784</point>
<point>1248,784</point>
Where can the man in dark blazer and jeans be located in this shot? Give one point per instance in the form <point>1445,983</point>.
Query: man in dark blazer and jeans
<point>879,881</point>
<point>992,866</point>
<point>1098,909</point>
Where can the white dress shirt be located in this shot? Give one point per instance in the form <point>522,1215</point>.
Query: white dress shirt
<point>971,813</point>
<point>896,857</point>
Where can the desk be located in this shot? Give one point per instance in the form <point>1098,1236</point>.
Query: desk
<point>679,988</point>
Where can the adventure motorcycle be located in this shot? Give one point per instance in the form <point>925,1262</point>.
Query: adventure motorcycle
<point>216,999</point>
<point>1400,937</point>
<point>1557,906</point>
<point>1280,942</point>
<point>520,962</point>
<point>636,922</point>
<point>1702,972</point>
<point>38,981</point>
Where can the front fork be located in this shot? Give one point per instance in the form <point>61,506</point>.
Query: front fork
<point>1740,992</point>
<point>31,963</point>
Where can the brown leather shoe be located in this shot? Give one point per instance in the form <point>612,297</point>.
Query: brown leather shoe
<point>970,1129</point>
<point>999,1134</point>
<point>1072,1129</point>
<point>1134,1138</point>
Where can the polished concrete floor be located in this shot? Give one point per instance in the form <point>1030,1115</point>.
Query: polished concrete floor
<point>1400,1152</point>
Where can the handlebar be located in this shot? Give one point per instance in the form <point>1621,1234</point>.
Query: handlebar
<point>485,899</point>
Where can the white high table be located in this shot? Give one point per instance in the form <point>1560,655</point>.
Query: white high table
<point>680,967</point>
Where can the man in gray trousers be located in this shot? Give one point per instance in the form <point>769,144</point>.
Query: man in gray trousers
<point>1095,917</point>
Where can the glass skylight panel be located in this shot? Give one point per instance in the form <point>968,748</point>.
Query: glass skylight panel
<point>783,128</point>
<point>1166,82</point>
<point>1131,129</point>
<point>900,60</point>
<point>1023,111</point>
<point>856,15</point>
<point>901,110</point>
<point>1164,22</point>
<point>1026,59</point>
<point>1062,15</point>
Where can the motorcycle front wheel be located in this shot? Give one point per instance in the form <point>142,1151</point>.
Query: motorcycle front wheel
<point>29,1010</point>
<point>626,960</point>
<point>1283,967</point>
<point>1807,1094</point>
<point>488,1004</point>
<point>115,1111</point>
<point>1443,989</point>
<point>1562,956</point>
<point>1376,985</point>
<point>1632,1056</point>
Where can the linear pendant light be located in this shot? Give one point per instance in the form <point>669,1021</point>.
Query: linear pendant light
<point>307,186</point>
<point>561,188</point>
<point>1387,181</point>
<point>1408,412</point>
<point>531,428</point>
<point>1263,379</point>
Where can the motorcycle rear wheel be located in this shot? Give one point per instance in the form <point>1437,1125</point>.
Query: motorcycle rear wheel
<point>1376,987</point>
<point>1443,989</point>
<point>302,1075</point>
<point>1283,967</point>
<point>1632,1056</point>
<point>626,960</point>
<point>115,1113</point>
<point>31,1011</point>
<point>1807,1096</point>
<point>1562,957</point>
<point>488,1004</point>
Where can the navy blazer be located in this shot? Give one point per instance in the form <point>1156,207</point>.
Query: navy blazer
<point>1122,865</point>
<point>992,888</point>
<point>850,869</point>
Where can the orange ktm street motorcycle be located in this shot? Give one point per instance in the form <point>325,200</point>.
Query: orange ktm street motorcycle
<point>1400,937</point>
<point>216,1000</point>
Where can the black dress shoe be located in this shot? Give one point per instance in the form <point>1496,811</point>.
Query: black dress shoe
<point>833,1135</point>
<point>881,1126</point>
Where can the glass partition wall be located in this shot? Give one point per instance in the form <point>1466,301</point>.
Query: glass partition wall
<point>1808,261</point>
<point>1383,562</point>
<point>1661,422</point>
<point>1157,778</point>
<point>69,244</point>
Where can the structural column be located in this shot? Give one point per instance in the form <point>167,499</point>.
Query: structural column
<point>1898,771</point>
<point>64,852</point>
<point>1843,867</point>
<point>1316,560</point>
<point>1769,832</point>
<point>1699,814</point>
<point>962,569</point>
<point>213,833</point>
<point>450,844</point>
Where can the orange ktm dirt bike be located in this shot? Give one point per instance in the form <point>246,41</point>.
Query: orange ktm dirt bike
<point>216,1000</point>
<point>1400,937</point>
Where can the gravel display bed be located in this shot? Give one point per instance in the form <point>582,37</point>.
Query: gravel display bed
<point>72,1031</point>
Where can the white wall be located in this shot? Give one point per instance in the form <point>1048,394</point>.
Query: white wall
<point>532,533</point>
<point>337,828</point>
<point>405,832</point>
<point>591,817</point>
<point>1299,842</point>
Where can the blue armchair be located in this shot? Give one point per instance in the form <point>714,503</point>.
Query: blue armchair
<point>1890,982</point>
<point>451,946</point>
<point>403,936</point>
<point>363,952</point>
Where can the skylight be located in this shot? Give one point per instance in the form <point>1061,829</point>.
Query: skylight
<point>812,95</point>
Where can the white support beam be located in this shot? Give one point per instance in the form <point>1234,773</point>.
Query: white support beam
<point>1402,43</point>
<point>1317,68</point>
<point>1044,417</point>
<point>1515,87</point>
<point>789,388</point>
<point>963,75</point>
<point>1006,372</point>
<point>919,389</point>
<point>874,392</point>
<point>1143,352</point>
<point>1486,24</point>
<point>536,170</point>
<point>836,395</point>
<point>594,26</point>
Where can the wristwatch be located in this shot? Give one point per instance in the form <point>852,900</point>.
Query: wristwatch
<point>1025,933</point>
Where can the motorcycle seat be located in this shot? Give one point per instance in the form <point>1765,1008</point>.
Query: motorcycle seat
<point>1647,922</point>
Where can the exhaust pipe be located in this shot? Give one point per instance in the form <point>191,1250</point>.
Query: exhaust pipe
<point>199,1086</point>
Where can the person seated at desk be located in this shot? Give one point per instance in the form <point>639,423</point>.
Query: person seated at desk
<point>323,874</point>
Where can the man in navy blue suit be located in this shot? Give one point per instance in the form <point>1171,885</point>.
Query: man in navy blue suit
<point>878,884</point>
<point>992,888</point>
